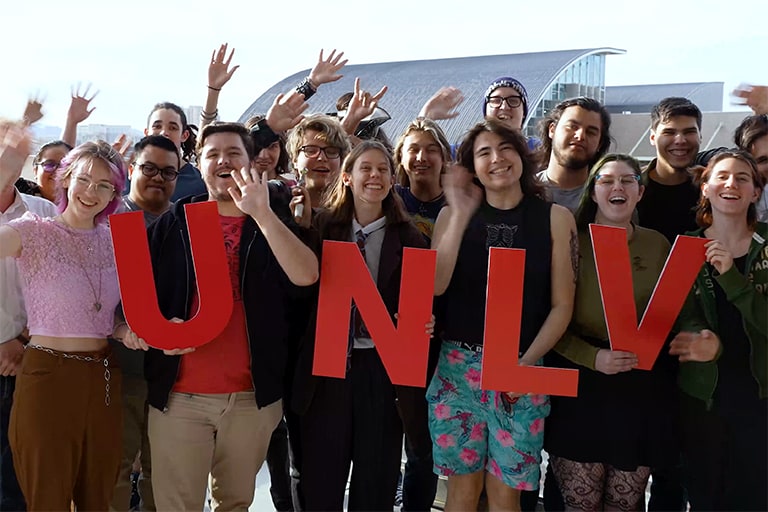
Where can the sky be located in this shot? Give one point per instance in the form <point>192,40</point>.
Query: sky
<point>141,52</point>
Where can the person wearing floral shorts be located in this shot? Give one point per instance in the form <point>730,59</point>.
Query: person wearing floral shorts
<point>474,429</point>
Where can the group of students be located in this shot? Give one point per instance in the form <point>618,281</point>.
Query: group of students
<point>205,418</point>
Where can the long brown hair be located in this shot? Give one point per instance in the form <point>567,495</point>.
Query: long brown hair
<point>340,203</point>
<point>704,208</point>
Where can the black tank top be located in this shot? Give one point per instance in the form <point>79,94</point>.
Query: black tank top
<point>527,226</point>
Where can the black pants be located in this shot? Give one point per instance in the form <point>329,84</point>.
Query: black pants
<point>352,420</point>
<point>725,456</point>
<point>11,497</point>
<point>420,480</point>
<point>278,463</point>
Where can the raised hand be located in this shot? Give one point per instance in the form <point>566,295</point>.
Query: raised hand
<point>33,112</point>
<point>699,346</point>
<point>15,142</point>
<point>754,96</point>
<point>442,104</point>
<point>251,195</point>
<point>78,105</point>
<point>718,256</point>
<point>219,72</point>
<point>326,70</point>
<point>363,103</point>
<point>461,194</point>
<point>611,362</point>
<point>286,111</point>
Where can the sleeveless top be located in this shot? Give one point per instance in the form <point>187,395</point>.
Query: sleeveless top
<point>527,226</point>
<point>68,278</point>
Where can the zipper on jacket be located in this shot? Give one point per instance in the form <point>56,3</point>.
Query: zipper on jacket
<point>186,308</point>
<point>245,315</point>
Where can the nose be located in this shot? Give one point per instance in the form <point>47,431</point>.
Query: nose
<point>579,133</point>
<point>321,156</point>
<point>263,154</point>
<point>421,155</point>
<point>731,181</point>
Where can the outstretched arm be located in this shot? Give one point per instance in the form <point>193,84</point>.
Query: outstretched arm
<point>78,112</point>
<point>219,74</point>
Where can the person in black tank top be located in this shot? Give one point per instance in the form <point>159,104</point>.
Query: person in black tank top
<point>495,201</point>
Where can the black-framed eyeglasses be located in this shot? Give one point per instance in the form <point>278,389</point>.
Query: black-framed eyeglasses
<point>330,152</point>
<point>513,101</point>
<point>151,170</point>
<point>49,165</point>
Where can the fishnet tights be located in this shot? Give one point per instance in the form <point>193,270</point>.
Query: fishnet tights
<point>595,486</point>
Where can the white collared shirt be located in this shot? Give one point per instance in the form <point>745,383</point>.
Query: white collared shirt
<point>374,240</point>
<point>13,318</point>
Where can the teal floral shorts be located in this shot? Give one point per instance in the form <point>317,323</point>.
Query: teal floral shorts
<point>473,429</point>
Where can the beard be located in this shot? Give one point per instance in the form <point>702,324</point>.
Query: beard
<point>571,162</point>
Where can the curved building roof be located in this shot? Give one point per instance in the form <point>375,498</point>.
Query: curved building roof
<point>708,96</point>
<point>411,83</point>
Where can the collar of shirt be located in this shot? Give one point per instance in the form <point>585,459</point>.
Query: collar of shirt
<point>370,228</point>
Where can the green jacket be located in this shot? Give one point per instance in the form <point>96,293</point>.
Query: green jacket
<point>750,295</point>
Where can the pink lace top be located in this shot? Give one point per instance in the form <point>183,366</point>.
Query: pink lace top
<point>68,277</point>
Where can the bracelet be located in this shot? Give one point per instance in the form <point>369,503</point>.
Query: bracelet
<point>207,116</point>
<point>307,88</point>
<point>23,339</point>
<point>119,325</point>
<point>214,89</point>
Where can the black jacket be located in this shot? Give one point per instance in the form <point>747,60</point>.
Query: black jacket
<point>268,298</point>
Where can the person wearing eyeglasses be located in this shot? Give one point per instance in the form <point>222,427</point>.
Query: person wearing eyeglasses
<point>152,177</point>
<point>317,146</point>
<point>603,443</point>
<point>45,165</point>
<point>65,426</point>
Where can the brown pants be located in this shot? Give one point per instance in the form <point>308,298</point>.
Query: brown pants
<point>66,441</point>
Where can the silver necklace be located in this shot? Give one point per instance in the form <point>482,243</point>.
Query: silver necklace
<point>96,297</point>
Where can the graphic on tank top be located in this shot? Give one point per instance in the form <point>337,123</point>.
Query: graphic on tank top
<point>500,235</point>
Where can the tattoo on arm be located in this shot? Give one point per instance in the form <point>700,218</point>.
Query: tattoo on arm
<point>575,255</point>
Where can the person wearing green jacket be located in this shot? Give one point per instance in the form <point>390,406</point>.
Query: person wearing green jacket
<point>724,402</point>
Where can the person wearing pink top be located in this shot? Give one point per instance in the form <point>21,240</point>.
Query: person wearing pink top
<point>65,427</point>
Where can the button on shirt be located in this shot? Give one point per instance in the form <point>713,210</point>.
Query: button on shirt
<point>374,239</point>
<point>13,318</point>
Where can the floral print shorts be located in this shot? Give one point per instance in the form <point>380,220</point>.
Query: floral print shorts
<point>473,429</point>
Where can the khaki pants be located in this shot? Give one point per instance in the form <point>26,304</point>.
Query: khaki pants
<point>65,438</point>
<point>135,440</point>
<point>218,440</point>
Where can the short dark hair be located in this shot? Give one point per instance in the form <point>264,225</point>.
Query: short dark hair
<point>465,155</point>
<point>160,142</point>
<point>544,152</point>
<point>47,145</point>
<point>672,107</point>
<point>188,146</point>
<point>750,129</point>
<point>222,127</point>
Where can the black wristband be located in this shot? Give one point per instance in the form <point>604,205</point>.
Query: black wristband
<point>306,88</point>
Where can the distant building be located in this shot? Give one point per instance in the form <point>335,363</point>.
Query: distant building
<point>193,114</point>
<point>549,77</point>
<point>635,99</point>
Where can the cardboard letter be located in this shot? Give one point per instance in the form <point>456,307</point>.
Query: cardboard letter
<point>614,274</point>
<point>503,314</point>
<point>137,285</point>
<point>344,277</point>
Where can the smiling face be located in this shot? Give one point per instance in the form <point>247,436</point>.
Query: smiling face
<point>89,189</point>
<point>266,160</point>
<point>167,123</point>
<point>45,170</point>
<point>759,150</point>
<point>371,178</point>
<point>422,159</point>
<point>576,137</point>
<point>319,169</point>
<point>497,163</point>
<point>221,154</point>
<point>730,187</point>
<point>617,192</point>
<point>677,141</point>
<point>511,116</point>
